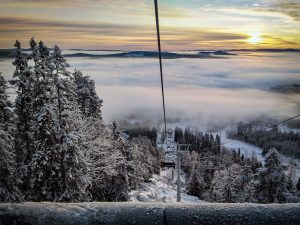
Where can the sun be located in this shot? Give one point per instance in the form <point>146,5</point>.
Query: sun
<point>255,38</point>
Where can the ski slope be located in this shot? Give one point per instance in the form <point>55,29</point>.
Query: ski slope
<point>162,188</point>
<point>249,150</point>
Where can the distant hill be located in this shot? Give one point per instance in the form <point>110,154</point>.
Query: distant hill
<point>9,53</point>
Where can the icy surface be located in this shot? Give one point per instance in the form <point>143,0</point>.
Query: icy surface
<point>104,213</point>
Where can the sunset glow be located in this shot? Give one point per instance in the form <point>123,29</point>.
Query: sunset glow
<point>255,38</point>
<point>130,24</point>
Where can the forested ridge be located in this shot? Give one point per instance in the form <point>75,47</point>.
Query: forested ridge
<point>287,143</point>
<point>217,174</point>
<point>54,145</point>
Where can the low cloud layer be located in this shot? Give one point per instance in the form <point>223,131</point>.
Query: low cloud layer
<point>199,92</point>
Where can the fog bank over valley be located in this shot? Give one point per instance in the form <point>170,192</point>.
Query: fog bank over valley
<point>199,92</point>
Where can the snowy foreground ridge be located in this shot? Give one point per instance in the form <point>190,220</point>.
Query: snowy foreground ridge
<point>147,213</point>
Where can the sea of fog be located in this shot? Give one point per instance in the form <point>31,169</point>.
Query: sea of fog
<point>198,92</point>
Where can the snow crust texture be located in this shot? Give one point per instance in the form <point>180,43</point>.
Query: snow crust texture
<point>148,213</point>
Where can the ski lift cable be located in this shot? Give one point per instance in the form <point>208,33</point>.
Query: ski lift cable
<point>160,63</point>
<point>252,133</point>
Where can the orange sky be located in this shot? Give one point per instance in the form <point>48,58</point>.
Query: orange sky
<point>130,24</point>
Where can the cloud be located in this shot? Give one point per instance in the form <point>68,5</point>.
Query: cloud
<point>197,91</point>
<point>68,3</point>
<point>32,22</point>
<point>278,41</point>
<point>130,24</point>
<point>290,8</point>
<point>111,35</point>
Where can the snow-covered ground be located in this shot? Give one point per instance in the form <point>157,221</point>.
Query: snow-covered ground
<point>285,128</point>
<point>247,149</point>
<point>162,188</point>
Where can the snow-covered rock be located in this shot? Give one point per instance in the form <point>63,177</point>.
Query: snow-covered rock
<point>143,197</point>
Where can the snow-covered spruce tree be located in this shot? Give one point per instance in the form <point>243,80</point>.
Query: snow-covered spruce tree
<point>101,146</point>
<point>57,167</point>
<point>106,162</point>
<point>88,100</point>
<point>6,118</point>
<point>72,164</point>
<point>43,51</point>
<point>9,191</point>
<point>23,136</point>
<point>44,167</point>
<point>226,184</point>
<point>145,158</point>
<point>196,184</point>
<point>272,183</point>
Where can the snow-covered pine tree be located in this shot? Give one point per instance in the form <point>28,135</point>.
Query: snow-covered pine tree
<point>6,118</point>
<point>23,136</point>
<point>43,90</point>
<point>226,184</point>
<point>43,50</point>
<point>57,167</point>
<point>88,100</point>
<point>272,180</point>
<point>44,167</point>
<point>196,183</point>
<point>9,191</point>
<point>72,164</point>
<point>107,165</point>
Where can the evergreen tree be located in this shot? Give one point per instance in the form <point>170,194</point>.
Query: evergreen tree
<point>43,50</point>
<point>272,180</point>
<point>9,191</point>
<point>23,136</point>
<point>43,168</point>
<point>226,185</point>
<point>88,100</point>
<point>6,118</point>
<point>195,185</point>
<point>153,136</point>
<point>57,166</point>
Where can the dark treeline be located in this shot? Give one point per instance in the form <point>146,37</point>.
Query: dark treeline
<point>54,145</point>
<point>294,124</point>
<point>150,133</point>
<point>287,143</point>
<point>198,141</point>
